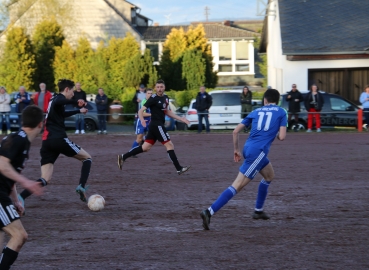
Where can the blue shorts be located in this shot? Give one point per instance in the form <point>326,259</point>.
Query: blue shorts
<point>255,161</point>
<point>140,129</point>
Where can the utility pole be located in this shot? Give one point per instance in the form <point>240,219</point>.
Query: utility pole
<point>206,12</point>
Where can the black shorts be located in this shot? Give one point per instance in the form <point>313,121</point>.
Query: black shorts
<point>8,213</point>
<point>52,148</point>
<point>157,133</point>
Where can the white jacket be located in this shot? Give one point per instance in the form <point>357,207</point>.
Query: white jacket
<point>4,102</point>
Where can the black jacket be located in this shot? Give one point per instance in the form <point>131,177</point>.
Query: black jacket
<point>319,100</point>
<point>203,103</point>
<point>79,95</point>
<point>101,102</point>
<point>294,106</point>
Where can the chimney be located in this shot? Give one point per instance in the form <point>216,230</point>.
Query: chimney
<point>156,24</point>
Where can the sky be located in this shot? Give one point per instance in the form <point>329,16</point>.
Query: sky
<point>185,11</point>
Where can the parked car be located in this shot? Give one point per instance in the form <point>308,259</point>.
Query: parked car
<point>91,120</point>
<point>225,113</point>
<point>337,111</point>
<point>13,119</point>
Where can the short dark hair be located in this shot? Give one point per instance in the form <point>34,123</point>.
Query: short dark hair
<point>160,81</point>
<point>272,96</point>
<point>32,115</point>
<point>64,83</point>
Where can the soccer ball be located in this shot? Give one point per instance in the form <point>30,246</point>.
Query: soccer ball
<point>96,202</point>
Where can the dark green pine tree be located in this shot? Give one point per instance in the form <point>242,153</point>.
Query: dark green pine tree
<point>193,68</point>
<point>47,36</point>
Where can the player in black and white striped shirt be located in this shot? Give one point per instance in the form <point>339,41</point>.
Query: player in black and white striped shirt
<point>14,151</point>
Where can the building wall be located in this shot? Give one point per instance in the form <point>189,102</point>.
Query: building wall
<point>283,73</point>
<point>94,19</point>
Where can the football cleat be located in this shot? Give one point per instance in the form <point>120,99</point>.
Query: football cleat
<point>120,162</point>
<point>205,215</point>
<point>183,170</point>
<point>82,193</point>
<point>260,215</point>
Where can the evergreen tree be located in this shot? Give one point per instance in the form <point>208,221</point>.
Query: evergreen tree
<point>196,39</point>
<point>64,64</point>
<point>176,43</point>
<point>140,70</point>
<point>193,68</point>
<point>99,67</point>
<point>118,53</point>
<point>18,62</point>
<point>48,34</point>
<point>84,74</point>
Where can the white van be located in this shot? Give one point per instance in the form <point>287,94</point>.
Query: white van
<point>225,112</point>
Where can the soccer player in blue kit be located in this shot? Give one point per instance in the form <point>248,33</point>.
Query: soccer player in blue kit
<point>140,130</point>
<point>268,122</point>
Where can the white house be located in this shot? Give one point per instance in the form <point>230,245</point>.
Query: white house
<point>323,42</point>
<point>232,49</point>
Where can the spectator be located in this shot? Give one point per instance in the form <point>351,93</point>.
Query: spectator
<point>102,107</point>
<point>4,109</point>
<point>22,99</point>
<point>294,97</point>
<point>203,104</point>
<point>364,100</point>
<point>246,101</point>
<point>139,96</point>
<point>80,118</point>
<point>314,102</point>
<point>42,98</point>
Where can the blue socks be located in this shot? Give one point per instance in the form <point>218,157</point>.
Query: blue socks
<point>262,193</point>
<point>222,199</point>
<point>135,144</point>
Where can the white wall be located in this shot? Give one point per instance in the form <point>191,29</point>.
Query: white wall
<point>283,73</point>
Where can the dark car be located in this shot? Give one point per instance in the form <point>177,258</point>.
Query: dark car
<point>336,112</point>
<point>91,121</point>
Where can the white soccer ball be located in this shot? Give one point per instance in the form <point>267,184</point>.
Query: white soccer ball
<point>96,202</point>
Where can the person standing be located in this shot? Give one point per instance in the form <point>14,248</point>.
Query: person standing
<point>246,101</point>
<point>294,97</point>
<point>139,96</point>
<point>101,101</point>
<point>14,153</point>
<point>203,104</point>
<point>158,105</point>
<point>314,102</point>
<point>79,94</point>
<point>42,98</point>
<point>55,140</point>
<point>4,109</point>
<point>364,100</point>
<point>22,99</point>
<point>267,123</point>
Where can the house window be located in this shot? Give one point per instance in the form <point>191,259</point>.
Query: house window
<point>225,68</point>
<point>154,51</point>
<point>242,51</point>
<point>225,51</point>
<point>243,68</point>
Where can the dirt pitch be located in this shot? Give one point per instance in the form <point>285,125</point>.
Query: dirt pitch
<point>318,204</point>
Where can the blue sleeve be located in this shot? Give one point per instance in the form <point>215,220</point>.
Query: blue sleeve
<point>283,118</point>
<point>362,97</point>
<point>248,119</point>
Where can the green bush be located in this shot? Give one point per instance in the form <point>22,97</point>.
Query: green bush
<point>126,100</point>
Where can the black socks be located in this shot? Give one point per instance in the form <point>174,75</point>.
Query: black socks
<point>8,257</point>
<point>25,193</point>
<point>85,171</point>
<point>135,151</point>
<point>174,159</point>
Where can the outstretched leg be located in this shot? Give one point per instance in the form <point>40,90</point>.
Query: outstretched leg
<point>85,172</point>
<point>238,184</point>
